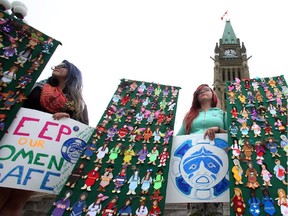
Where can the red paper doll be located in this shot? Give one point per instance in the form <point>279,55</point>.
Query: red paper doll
<point>238,202</point>
<point>92,177</point>
<point>163,157</point>
<point>122,133</point>
<point>147,134</point>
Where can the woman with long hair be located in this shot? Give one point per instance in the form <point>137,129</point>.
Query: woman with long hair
<point>204,117</point>
<point>60,95</point>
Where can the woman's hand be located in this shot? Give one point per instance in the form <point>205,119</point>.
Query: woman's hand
<point>59,115</point>
<point>210,132</point>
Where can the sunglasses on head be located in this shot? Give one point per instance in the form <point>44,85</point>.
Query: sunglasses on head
<point>59,66</point>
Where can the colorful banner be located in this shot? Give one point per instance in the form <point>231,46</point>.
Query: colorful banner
<point>39,153</point>
<point>24,52</point>
<point>124,169</point>
<point>257,115</point>
<point>198,170</point>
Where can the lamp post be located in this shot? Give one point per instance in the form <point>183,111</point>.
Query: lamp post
<point>16,8</point>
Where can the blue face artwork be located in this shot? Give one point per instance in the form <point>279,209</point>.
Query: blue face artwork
<point>199,170</point>
<point>205,160</point>
<point>72,149</point>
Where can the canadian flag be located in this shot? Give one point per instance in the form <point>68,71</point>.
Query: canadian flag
<point>225,14</point>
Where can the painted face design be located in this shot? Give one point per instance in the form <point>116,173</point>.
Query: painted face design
<point>206,161</point>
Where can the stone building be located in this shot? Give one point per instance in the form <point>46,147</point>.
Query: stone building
<point>230,61</point>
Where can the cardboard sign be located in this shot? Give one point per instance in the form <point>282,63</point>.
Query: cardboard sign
<point>198,170</point>
<point>38,153</point>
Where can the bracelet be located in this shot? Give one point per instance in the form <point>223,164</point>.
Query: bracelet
<point>218,130</point>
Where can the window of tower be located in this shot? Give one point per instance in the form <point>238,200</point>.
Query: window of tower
<point>229,74</point>
<point>233,74</point>
<point>239,73</point>
<point>223,75</point>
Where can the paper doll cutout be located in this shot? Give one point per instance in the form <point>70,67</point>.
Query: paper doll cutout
<point>236,149</point>
<point>110,111</point>
<point>8,76</point>
<point>280,172</point>
<point>157,134</point>
<point>282,201</point>
<point>111,208</point>
<point>266,175</point>
<point>114,152</point>
<point>251,175</point>
<point>237,172</point>
<point>100,130</point>
<point>142,209</point>
<point>279,126</point>
<point>254,204</point>
<point>153,155</point>
<point>168,134</point>
<point>260,149</point>
<point>75,175</point>
<point>106,178</point>
<point>272,146</point>
<point>126,210</point>
<point>256,129</point>
<point>133,181</point>
<point>155,209</point>
<point>284,143</point>
<point>95,207</point>
<point>62,204</point>
<point>11,98</point>
<point>146,182</point>
<point>23,81</point>
<point>79,206</point>
<point>268,202</point>
<point>91,178</point>
<point>101,152</point>
<point>142,154</point>
<point>10,51</point>
<point>111,132</point>
<point>237,202</point>
<point>128,154</point>
<point>119,180</point>
<point>163,157</point>
<point>89,150</point>
<point>47,45</point>
<point>122,133</point>
<point>247,150</point>
<point>158,180</point>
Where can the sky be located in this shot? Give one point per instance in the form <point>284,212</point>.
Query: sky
<point>166,42</point>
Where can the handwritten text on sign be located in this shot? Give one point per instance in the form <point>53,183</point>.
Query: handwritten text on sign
<point>39,153</point>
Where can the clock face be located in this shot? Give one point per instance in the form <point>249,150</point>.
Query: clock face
<point>230,53</point>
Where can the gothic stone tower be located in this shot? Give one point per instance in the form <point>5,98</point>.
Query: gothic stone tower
<point>230,62</point>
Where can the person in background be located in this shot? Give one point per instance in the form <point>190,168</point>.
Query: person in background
<point>60,95</point>
<point>204,117</point>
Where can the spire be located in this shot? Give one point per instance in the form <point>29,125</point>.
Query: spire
<point>229,37</point>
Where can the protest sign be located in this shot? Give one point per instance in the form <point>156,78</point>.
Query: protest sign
<point>38,153</point>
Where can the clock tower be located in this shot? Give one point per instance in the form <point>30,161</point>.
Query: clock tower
<point>230,62</point>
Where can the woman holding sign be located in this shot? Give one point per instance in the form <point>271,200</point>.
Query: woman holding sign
<point>204,117</point>
<point>60,95</point>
